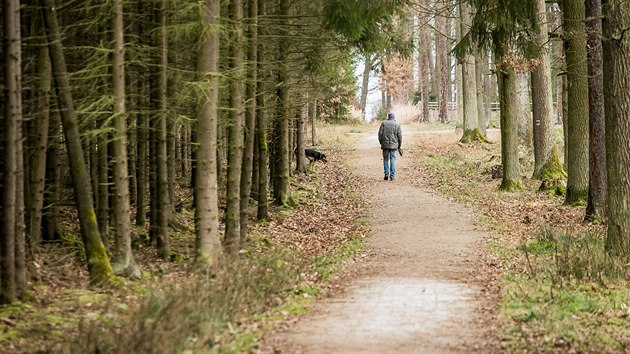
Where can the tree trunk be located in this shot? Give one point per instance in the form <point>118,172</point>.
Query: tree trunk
<point>231,240</point>
<point>522,109</point>
<point>441,65</point>
<point>38,164</point>
<point>250,123</point>
<point>163,198</point>
<point>424,58</point>
<point>469,86</point>
<point>142,136</point>
<point>207,241</point>
<point>547,166</point>
<point>123,258</point>
<point>369,61</point>
<point>300,158</point>
<point>558,51</point>
<point>616,56</point>
<point>313,117</point>
<point>506,78</point>
<point>261,127</point>
<point>597,189</point>
<point>96,257</point>
<point>103,186</point>
<point>12,119</point>
<point>479,60</point>
<point>489,90</point>
<point>281,189</point>
<point>459,64</point>
<point>577,76</point>
<point>51,230</point>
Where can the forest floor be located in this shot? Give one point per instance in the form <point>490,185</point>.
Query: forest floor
<point>438,260</point>
<point>428,285</point>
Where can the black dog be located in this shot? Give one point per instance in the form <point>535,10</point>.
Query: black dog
<point>314,156</point>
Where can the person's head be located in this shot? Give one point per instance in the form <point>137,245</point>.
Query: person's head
<point>391,115</point>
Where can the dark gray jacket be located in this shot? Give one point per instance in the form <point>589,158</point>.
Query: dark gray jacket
<point>390,135</point>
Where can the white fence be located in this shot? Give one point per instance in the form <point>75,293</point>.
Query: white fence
<point>452,106</point>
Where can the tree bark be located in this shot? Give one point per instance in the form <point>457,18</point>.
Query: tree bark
<point>38,164</point>
<point>616,57</point>
<point>522,109</point>
<point>232,236</point>
<point>597,189</point>
<point>12,120</point>
<point>103,185</point>
<point>577,76</point>
<point>547,165</point>
<point>442,64</point>
<point>162,188</point>
<point>123,258</point>
<point>262,212</point>
<point>207,241</point>
<point>96,258</point>
<point>365,80</point>
<point>282,171</point>
<point>506,78</point>
<point>424,58</point>
<point>51,230</point>
<point>250,123</point>
<point>300,145</point>
<point>469,86</point>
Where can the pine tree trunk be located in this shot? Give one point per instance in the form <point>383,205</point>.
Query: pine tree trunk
<point>103,186</point>
<point>12,118</point>
<point>235,145</point>
<point>262,212</point>
<point>469,86</point>
<point>250,120</point>
<point>207,241</point>
<point>424,59</point>
<point>163,197</point>
<point>20,227</point>
<point>523,109</point>
<point>547,165</point>
<point>441,65</point>
<point>558,53</point>
<point>96,257</point>
<point>313,117</point>
<point>577,76</point>
<point>123,262</point>
<point>38,164</point>
<point>282,171</point>
<point>616,57</point>
<point>142,149</point>
<point>365,80</point>
<point>459,68</point>
<point>51,230</point>
<point>597,189</point>
<point>300,145</point>
<point>481,99</point>
<point>489,90</point>
<point>506,78</point>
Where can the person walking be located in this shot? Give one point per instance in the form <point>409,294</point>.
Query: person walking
<point>390,138</point>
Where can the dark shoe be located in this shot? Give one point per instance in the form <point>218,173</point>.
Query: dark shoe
<point>385,177</point>
<point>391,178</point>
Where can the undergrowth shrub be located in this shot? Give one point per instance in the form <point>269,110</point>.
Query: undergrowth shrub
<point>197,313</point>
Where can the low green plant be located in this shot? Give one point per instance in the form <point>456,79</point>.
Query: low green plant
<point>572,295</point>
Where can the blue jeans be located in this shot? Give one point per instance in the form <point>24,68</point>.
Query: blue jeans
<point>389,162</point>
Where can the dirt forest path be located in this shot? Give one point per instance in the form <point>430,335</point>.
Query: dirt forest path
<point>414,295</point>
